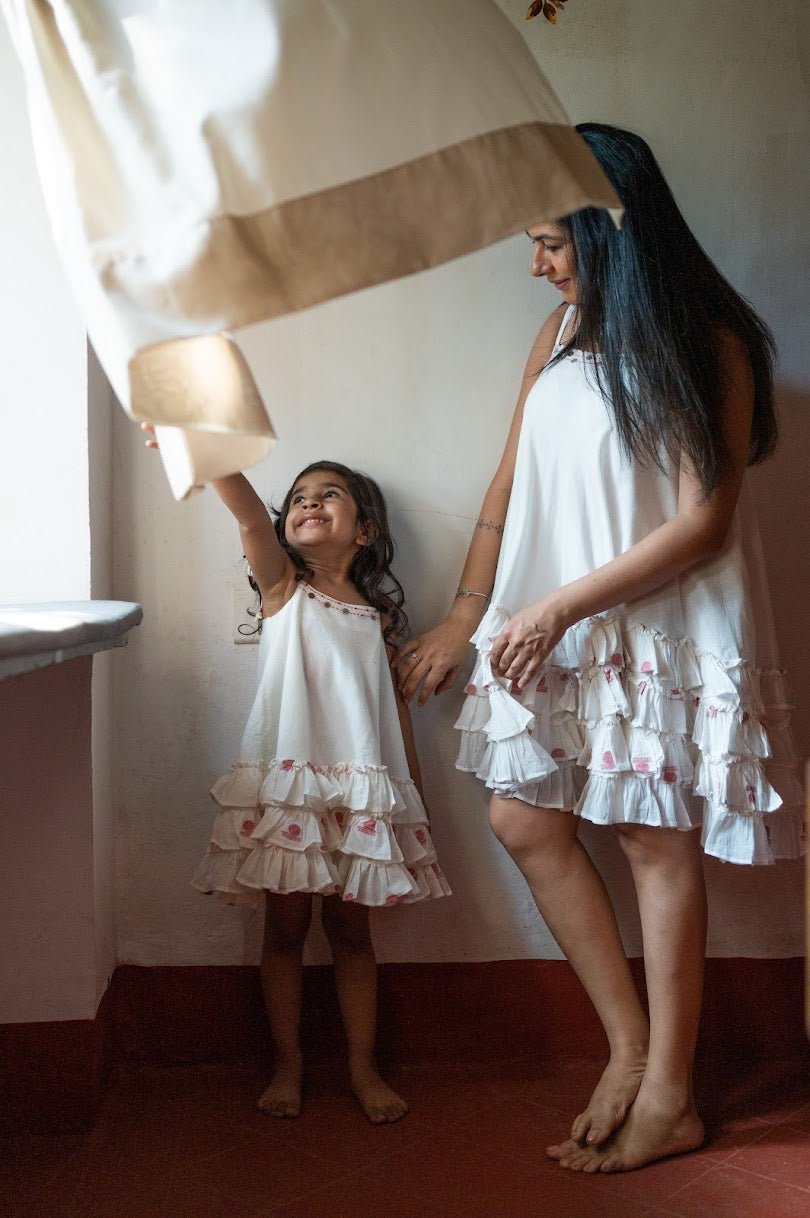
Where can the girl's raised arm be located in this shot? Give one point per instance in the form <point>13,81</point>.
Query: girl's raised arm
<point>440,653</point>
<point>268,561</point>
<point>266,558</point>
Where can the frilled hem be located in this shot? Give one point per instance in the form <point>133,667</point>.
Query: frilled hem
<point>626,725</point>
<point>291,826</point>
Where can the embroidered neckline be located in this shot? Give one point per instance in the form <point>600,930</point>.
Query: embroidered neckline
<point>330,602</point>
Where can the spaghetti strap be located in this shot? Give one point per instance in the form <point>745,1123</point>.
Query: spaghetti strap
<point>566,318</point>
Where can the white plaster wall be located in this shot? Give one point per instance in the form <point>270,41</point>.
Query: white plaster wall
<point>415,382</point>
<point>47,933</point>
<point>100,406</point>
<point>45,536</point>
<point>58,928</point>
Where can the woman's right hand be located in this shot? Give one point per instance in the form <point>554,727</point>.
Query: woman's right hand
<point>433,660</point>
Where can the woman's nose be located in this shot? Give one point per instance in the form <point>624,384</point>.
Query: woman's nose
<point>539,261</point>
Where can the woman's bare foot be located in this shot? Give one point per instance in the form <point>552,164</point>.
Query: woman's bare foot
<point>607,1107</point>
<point>283,1097</point>
<point>659,1124</point>
<point>380,1104</point>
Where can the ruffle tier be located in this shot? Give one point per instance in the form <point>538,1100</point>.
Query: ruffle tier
<point>292,826</point>
<point>626,725</point>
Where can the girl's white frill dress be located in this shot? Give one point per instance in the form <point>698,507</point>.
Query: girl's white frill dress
<point>669,711</point>
<point>320,799</point>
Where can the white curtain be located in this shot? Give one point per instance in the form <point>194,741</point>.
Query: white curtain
<point>196,157</point>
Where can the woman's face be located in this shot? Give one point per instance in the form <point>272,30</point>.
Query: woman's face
<point>553,258</point>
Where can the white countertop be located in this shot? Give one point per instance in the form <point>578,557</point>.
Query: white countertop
<point>36,635</point>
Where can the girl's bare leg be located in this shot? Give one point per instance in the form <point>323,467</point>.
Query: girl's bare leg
<point>347,928</point>
<point>574,903</point>
<point>671,892</point>
<point>286,923</point>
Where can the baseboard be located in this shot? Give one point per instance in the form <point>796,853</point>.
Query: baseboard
<point>752,1008</point>
<point>52,1074</point>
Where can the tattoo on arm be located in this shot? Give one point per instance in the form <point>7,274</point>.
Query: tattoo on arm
<point>489,524</point>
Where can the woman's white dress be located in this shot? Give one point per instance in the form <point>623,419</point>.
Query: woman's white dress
<point>667,711</point>
<point>320,798</point>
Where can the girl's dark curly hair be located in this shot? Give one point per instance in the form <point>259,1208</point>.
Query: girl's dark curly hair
<point>371,571</point>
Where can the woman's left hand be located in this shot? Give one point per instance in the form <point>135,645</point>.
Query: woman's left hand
<point>526,640</point>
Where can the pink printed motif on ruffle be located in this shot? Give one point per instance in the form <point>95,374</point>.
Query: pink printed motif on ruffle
<point>294,826</point>
<point>626,725</point>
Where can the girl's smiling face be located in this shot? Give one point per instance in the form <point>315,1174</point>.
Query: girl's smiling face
<point>322,510</point>
<point>553,258</point>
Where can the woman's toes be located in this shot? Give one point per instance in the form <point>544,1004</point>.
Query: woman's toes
<point>563,1149</point>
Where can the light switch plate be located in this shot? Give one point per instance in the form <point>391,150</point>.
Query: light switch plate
<point>244,626</point>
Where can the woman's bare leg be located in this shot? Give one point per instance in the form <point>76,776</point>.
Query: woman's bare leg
<point>286,923</point>
<point>347,928</point>
<point>669,881</point>
<point>574,904</point>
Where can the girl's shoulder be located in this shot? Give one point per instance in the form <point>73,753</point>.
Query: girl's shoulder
<point>275,598</point>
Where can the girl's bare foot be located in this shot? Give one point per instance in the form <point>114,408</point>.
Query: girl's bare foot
<point>607,1107</point>
<point>658,1125</point>
<point>283,1097</point>
<point>380,1104</point>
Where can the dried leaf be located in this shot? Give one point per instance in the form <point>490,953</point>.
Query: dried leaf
<point>548,8</point>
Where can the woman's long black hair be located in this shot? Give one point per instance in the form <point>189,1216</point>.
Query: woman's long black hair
<point>656,307</point>
<point>371,571</point>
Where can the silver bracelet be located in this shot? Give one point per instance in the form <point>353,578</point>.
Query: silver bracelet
<point>464,592</point>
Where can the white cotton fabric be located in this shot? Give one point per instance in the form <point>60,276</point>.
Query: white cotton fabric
<point>175,142</point>
<point>320,798</point>
<point>668,711</point>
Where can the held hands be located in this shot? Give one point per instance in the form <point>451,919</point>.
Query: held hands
<point>433,660</point>
<point>526,640</point>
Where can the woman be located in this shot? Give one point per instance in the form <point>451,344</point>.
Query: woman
<point>617,668</point>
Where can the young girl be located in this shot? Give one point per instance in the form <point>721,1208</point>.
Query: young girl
<point>326,794</point>
<point>619,675</point>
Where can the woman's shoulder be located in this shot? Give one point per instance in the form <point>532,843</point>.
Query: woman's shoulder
<point>543,347</point>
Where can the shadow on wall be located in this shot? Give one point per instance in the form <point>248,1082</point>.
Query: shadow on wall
<point>780,491</point>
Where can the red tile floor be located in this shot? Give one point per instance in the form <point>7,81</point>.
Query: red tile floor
<point>188,1141</point>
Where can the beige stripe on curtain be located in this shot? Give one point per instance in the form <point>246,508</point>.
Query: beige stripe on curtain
<point>188,165</point>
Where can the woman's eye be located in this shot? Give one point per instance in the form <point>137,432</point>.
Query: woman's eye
<point>552,249</point>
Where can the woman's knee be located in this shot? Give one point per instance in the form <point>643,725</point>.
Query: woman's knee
<point>522,829</point>
<point>286,922</point>
<point>651,845</point>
